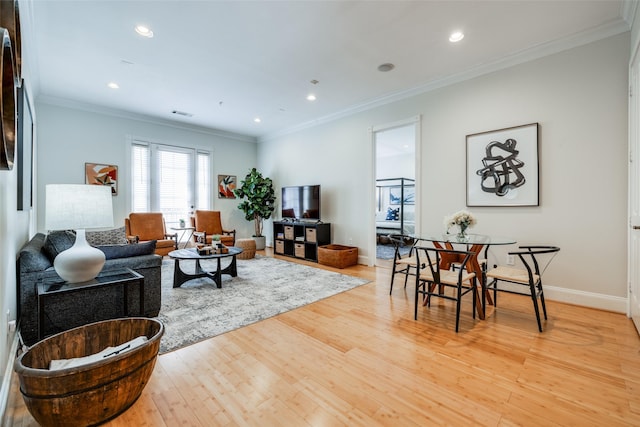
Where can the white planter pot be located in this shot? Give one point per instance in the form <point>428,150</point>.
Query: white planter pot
<point>261,242</point>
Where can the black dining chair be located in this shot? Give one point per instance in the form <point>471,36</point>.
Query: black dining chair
<point>529,277</point>
<point>432,281</point>
<point>404,260</point>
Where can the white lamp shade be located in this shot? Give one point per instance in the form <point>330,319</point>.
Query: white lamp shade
<point>74,206</point>
<point>77,207</point>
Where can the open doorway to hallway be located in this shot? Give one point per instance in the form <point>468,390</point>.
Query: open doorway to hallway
<point>395,191</point>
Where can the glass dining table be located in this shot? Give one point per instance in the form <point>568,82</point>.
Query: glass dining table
<point>478,244</point>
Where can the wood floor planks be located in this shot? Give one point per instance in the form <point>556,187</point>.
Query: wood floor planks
<point>359,359</point>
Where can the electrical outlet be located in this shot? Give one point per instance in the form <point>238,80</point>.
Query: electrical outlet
<point>511,259</point>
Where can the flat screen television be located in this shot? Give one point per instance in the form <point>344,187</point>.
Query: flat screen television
<point>301,203</point>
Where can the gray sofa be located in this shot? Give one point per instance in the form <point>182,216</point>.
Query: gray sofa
<point>76,309</point>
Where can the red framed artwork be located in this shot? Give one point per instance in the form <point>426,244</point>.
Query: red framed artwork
<point>100,174</point>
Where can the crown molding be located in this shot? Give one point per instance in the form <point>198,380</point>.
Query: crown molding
<point>76,105</point>
<point>610,29</point>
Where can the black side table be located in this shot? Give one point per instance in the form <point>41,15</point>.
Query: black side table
<point>50,285</point>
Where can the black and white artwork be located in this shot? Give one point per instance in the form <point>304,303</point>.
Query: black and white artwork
<point>502,167</point>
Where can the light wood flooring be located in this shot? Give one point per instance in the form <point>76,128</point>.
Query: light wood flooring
<point>359,359</point>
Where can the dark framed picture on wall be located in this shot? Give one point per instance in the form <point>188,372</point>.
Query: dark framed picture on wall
<point>24,155</point>
<point>503,167</point>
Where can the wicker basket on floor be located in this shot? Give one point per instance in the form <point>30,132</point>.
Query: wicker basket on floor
<point>248,248</point>
<point>338,256</point>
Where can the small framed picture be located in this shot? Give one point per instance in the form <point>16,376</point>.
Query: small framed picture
<point>226,185</point>
<point>100,174</point>
<point>502,167</point>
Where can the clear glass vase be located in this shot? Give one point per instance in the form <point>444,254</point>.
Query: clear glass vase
<point>462,233</point>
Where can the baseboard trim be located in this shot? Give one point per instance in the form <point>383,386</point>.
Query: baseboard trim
<point>586,299</point>
<point>6,379</point>
<point>569,296</point>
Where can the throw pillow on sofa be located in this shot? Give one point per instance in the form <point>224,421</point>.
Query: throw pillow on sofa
<point>393,214</point>
<point>56,242</point>
<point>116,236</point>
<point>126,251</point>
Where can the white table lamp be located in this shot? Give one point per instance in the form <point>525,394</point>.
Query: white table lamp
<point>78,207</point>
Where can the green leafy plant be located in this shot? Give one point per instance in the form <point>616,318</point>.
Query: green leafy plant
<point>259,197</point>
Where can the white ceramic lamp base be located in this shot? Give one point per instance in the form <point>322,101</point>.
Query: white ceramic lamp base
<point>79,263</point>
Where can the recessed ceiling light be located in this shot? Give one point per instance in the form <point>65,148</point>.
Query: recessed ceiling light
<point>144,31</point>
<point>257,120</point>
<point>386,67</point>
<point>113,85</point>
<point>311,97</point>
<point>456,36</point>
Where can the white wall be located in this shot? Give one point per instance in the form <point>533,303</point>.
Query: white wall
<point>400,166</point>
<point>70,137</point>
<point>16,227</point>
<point>14,231</point>
<point>578,96</point>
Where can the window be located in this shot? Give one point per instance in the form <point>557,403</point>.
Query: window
<point>169,179</point>
<point>203,196</point>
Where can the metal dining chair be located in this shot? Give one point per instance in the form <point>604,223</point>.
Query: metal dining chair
<point>432,281</point>
<point>403,263</point>
<point>529,277</point>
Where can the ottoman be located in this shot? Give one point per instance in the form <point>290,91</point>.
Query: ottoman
<point>248,248</point>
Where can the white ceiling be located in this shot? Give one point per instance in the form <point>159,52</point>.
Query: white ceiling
<point>227,62</point>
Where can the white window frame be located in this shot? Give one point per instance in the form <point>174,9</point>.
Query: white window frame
<point>153,196</point>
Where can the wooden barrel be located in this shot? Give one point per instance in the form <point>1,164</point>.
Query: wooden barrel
<point>96,392</point>
<point>7,104</point>
<point>10,19</point>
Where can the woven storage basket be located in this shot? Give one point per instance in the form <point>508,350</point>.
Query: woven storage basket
<point>248,248</point>
<point>93,393</point>
<point>338,256</point>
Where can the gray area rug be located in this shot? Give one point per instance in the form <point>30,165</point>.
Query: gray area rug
<point>387,251</point>
<point>264,288</point>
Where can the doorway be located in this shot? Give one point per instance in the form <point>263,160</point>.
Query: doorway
<point>396,185</point>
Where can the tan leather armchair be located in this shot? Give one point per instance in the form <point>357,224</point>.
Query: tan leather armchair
<point>145,226</point>
<point>207,224</point>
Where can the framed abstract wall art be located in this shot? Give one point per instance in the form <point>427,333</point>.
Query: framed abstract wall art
<point>226,185</point>
<point>395,195</point>
<point>502,167</point>
<point>99,174</point>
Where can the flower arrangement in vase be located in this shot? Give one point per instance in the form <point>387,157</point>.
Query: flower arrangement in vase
<point>463,220</point>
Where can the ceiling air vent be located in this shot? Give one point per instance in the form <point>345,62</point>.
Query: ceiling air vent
<point>182,113</point>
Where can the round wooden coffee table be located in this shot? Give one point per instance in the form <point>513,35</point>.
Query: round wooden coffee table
<point>179,276</point>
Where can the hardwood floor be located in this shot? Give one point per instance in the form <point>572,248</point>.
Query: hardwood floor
<point>359,358</point>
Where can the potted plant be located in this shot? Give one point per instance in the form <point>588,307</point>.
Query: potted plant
<point>259,201</point>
